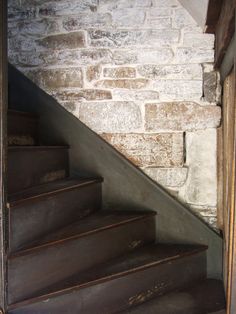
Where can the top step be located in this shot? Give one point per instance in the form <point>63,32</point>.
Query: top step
<point>22,128</point>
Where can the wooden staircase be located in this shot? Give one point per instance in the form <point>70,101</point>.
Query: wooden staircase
<point>68,255</point>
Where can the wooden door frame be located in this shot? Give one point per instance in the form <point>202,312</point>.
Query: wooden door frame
<point>3,150</point>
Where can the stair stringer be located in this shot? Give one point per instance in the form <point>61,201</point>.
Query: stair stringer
<point>124,184</point>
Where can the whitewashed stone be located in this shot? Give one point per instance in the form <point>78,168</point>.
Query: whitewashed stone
<point>111,116</point>
<point>123,4</point>
<point>166,3</point>
<point>159,23</point>
<point>196,40</point>
<point>171,72</point>
<point>170,90</point>
<point>125,38</point>
<point>201,185</point>
<point>138,95</point>
<point>182,19</point>
<point>168,177</point>
<point>128,17</point>
<point>194,55</point>
<point>86,20</point>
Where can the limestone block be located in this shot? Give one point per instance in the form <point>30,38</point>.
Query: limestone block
<point>201,185</point>
<point>168,177</point>
<point>181,116</point>
<point>171,72</point>
<point>145,150</point>
<point>82,94</point>
<point>194,55</point>
<point>123,83</point>
<point>111,116</point>
<point>119,72</point>
<point>64,41</point>
<point>138,95</point>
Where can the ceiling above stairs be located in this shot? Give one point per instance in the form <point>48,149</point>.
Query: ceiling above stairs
<point>197,9</point>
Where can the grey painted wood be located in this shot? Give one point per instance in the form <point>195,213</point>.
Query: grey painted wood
<point>3,147</point>
<point>124,184</point>
<point>228,61</point>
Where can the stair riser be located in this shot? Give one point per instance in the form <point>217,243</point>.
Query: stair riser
<point>22,129</point>
<point>42,216</point>
<point>30,167</point>
<point>53,264</point>
<point>119,294</point>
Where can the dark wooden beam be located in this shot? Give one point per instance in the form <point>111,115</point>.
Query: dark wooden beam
<point>224,30</point>
<point>213,14</point>
<point>3,146</point>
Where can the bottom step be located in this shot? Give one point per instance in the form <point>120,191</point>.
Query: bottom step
<point>204,298</point>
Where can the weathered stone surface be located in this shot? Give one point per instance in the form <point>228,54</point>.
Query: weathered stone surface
<point>165,3</point>
<point>158,23</point>
<point>93,72</point>
<point>157,56</point>
<point>194,55</point>
<point>197,40</point>
<point>138,95</point>
<point>153,13</point>
<point>123,83</point>
<point>111,5</point>
<point>62,8</point>
<point>124,38</point>
<point>209,214</point>
<point>128,17</point>
<point>86,20</point>
<point>145,150</point>
<point>169,177</point>
<point>182,18</point>
<point>82,94</point>
<point>181,116</point>
<point>171,72</point>
<point>210,86</point>
<point>201,185</point>
<point>111,116</point>
<point>171,90</point>
<point>55,78</point>
<point>120,72</point>
<point>64,41</point>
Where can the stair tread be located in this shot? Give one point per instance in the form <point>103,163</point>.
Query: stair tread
<point>137,260</point>
<point>204,297</point>
<point>50,188</point>
<point>93,223</point>
<point>22,113</point>
<point>37,147</point>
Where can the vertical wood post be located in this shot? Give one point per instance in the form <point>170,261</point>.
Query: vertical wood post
<point>3,148</point>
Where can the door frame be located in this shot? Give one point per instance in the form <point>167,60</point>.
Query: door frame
<point>3,150</point>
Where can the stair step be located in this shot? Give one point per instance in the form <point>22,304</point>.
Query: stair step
<point>204,297</point>
<point>22,128</point>
<point>33,165</point>
<point>48,207</point>
<point>82,245</point>
<point>114,286</point>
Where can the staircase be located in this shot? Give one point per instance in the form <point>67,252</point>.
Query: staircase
<point>66,254</point>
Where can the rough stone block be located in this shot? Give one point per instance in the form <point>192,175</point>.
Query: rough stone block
<point>128,17</point>
<point>111,116</point>
<point>166,3</point>
<point>86,20</point>
<point>171,72</point>
<point>171,90</point>
<point>111,5</point>
<point>155,55</point>
<point>73,40</point>
<point>82,94</point>
<point>126,38</point>
<point>182,18</point>
<point>158,23</point>
<point>145,150</point>
<point>194,55</point>
<point>120,72</point>
<point>181,116</point>
<point>138,95</point>
<point>93,72</point>
<point>210,82</point>
<point>201,185</point>
<point>197,40</point>
<point>168,177</point>
<point>56,78</point>
<point>123,83</point>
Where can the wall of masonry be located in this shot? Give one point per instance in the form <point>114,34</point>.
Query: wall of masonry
<point>139,73</point>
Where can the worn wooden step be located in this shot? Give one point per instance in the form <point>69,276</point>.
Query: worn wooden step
<point>204,297</point>
<point>48,207</point>
<point>92,240</point>
<point>33,165</point>
<point>22,128</point>
<point>114,286</point>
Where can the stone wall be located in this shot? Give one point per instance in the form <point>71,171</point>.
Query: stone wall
<point>139,73</point>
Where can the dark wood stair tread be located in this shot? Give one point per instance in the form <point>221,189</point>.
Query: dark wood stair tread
<point>22,113</point>
<point>36,147</point>
<point>85,226</point>
<point>138,260</point>
<point>47,189</point>
<point>203,298</point>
